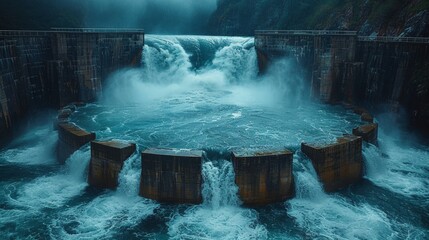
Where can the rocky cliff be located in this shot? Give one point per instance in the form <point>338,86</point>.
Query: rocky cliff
<point>368,17</point>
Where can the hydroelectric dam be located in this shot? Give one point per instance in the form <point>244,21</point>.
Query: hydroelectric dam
<point>277,136</point>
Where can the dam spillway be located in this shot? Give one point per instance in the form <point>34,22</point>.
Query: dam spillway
<point>205,93</point>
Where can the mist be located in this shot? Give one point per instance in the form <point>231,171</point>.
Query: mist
<point>230,78</point>
<point>154,16</point>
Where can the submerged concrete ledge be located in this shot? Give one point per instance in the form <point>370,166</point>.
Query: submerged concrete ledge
<point>264,177</point>
<point>365,115</point>
<point>171,175</point>
<point>368,132</point>
<point>107,160</point>
<point>70,139</point>
<point>339,164</point>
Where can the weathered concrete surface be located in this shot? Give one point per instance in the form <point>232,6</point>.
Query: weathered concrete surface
<point>339,164</point>
<point>23,80</point>
<point>323,55</point>
<point>365,115</point>
<point>40,69</point>
<point>70,139</point>
<point>81,60</point>
<point>390,73</point>
<point>107,160</point>
<point>172,175</point>
<point>369,132</point>
<point>264,178</point>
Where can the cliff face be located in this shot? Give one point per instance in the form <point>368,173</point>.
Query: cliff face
<point>369,17</point>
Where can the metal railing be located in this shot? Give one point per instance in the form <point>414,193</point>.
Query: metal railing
<point>306,32</point>
<point>23,33</point>
<point>393,39</point>
<point>344,33</point>
<point>99,30</point>
<point>43,33</point>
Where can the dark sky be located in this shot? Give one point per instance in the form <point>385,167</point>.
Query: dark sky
<point>155,16</point>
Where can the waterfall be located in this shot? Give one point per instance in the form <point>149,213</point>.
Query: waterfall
<point>220,216</point>
<point>219,188</point>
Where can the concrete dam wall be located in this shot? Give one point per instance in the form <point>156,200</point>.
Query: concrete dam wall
<point>54,68</point>
<point>63,66</point>
<point>344,67</point>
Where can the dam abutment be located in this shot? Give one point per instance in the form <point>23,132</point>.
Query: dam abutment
<point>40,69</point>
<point>361,70</point>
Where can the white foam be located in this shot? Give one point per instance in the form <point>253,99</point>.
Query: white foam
<point>400,168</point>
<point>220,216</point>
<point>55,190</point>
<point>236,115</point>
<point>102,217</point>
<point>330,216</point>
<point>106,215</point>
<point>34,148</point>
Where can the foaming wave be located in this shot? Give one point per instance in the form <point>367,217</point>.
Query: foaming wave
<point>400,168</point>
<point>33,148</point>
<point>55,190</point>
<point>227,222</point>
<point>220,216</point>
<point>106,215</point>
<point>232,74</point>
<point>168,72</point>
<point>102,218</point>
<point>330,216</point>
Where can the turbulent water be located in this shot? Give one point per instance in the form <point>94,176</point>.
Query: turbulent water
<point>205,93</point>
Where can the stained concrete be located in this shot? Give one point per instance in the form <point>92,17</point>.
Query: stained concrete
<point>107,160</point>
<point>172,175</point>
<point>368,132</point>
<point>264,177</point>
<point>70,139</point>
<point>338,164</point>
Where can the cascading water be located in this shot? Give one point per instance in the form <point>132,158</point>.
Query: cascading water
<point>220,216</point>
<point>205,93</point>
